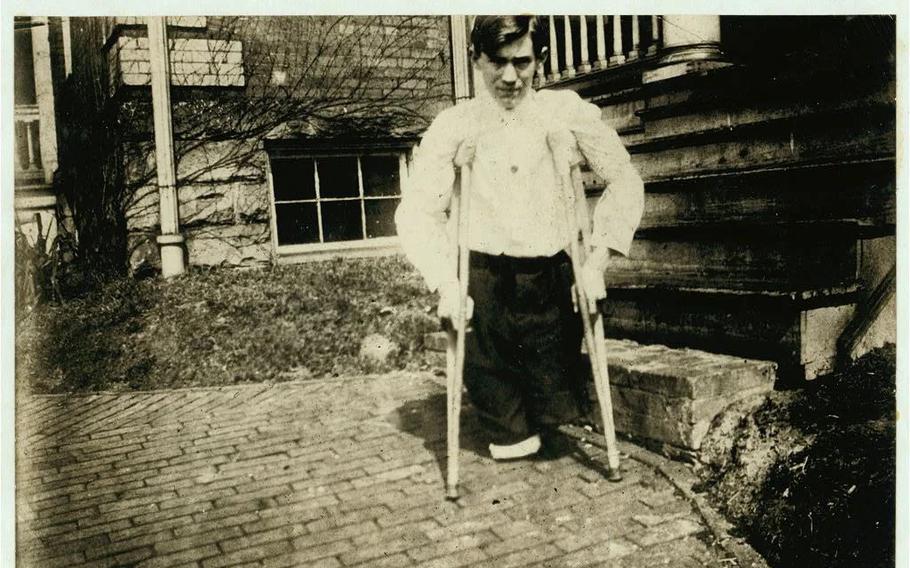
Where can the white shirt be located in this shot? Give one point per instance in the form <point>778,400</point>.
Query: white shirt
<point>516,206</point>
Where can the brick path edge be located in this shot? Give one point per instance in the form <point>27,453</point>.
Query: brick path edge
<point>682,479</point>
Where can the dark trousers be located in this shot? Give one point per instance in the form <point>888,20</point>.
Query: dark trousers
<point>523,365</point>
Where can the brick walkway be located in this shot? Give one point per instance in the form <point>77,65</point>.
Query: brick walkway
<point>322,473</point>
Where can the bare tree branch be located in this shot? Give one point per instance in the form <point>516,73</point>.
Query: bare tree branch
<point>321,77</point>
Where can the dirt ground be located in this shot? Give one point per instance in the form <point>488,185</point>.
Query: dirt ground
<point>809,477</point>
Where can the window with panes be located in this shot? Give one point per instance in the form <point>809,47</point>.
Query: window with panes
<point>336,198</point>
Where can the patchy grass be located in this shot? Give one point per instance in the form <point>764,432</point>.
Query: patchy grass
<point>228,326</point>
<point>810,476</point>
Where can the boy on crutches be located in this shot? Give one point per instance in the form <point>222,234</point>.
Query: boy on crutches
<point>523,368</point>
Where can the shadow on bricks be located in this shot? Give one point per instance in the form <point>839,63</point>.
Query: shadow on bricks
<point>558,443</point>
<point>426,419</point>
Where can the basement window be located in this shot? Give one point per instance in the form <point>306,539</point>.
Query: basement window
<point>335,200</point>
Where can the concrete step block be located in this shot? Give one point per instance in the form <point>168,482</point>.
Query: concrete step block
<point>669,395</point>
<point>672,395</point>
<point>684,373</point>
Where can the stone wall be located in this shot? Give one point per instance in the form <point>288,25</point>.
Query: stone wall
<point>195,62</point>
<point>409,53</point>
<point>224,210</point>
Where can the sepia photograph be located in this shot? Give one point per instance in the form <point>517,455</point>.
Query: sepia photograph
<point>453,290</point>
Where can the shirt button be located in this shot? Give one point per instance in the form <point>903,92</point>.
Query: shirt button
<point>514,169</point>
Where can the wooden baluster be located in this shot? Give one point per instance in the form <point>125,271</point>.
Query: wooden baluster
<point>21,165</point>
<point>617,56</point>
<point>569,50</point>
<point>554,52</point>
<point>601,43</point>
<point>30,142</point>
<point>655,36</point>
<point>585,66</point>
<point>636,40</point>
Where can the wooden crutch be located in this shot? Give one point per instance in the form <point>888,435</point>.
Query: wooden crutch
<point>570,178</point>
<point>455,335</point>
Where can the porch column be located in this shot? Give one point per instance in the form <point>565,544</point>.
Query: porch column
<point>44,94</point>
<point>690,44</point>
<point>170,241</point>
<point>461,66</point>
<point>691,38</point>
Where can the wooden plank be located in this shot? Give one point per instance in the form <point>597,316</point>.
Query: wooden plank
<point>862,193</point>
<point>763,148</point>
<point>690,111</point>
<point>786,258</point>
<point>623,115</point>
<point>749,326</point>
<point>795,334</point>
<point>867,313</point>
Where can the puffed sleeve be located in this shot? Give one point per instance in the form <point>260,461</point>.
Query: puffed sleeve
<point>618,211</point>
<point>421,216</point>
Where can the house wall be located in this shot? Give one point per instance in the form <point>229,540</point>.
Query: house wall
<point>240,81</point>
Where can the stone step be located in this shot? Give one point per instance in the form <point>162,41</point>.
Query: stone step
<point>671,396</point>
<point>796,329</point>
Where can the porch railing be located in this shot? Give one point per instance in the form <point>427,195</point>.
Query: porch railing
<point>28,162</point>
<point>584,44</point>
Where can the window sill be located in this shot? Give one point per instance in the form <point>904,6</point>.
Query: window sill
<point>292,254</point>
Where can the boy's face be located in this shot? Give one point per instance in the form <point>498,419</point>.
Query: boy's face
<point>509,73</point>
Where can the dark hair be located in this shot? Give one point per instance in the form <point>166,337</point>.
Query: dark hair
<point>490,33</point>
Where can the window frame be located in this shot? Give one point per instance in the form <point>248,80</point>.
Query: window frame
<point>403,150</point>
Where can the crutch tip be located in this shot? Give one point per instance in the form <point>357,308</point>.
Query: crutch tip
<point>452,493</point>
<point>614,475</point>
